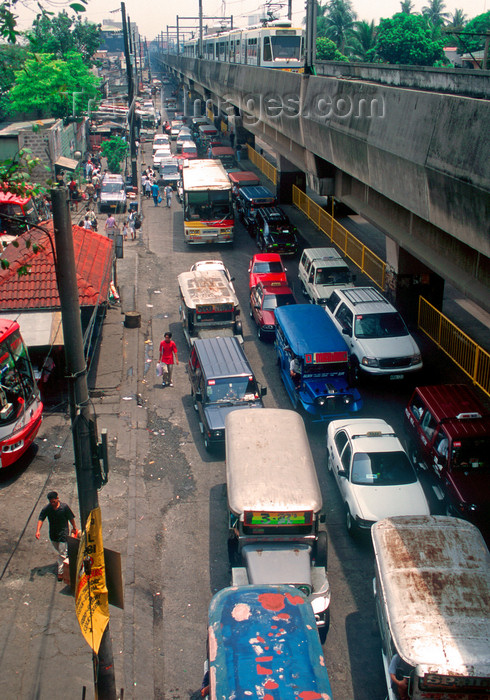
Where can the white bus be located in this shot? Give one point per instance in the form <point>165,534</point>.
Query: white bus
<point>208,208</point>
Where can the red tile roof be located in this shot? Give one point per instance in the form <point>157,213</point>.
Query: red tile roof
<point>38,289</point>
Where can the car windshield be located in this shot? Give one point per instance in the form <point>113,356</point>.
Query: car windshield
<point>335,276</point>
<point>388,325</point>
<point>170,170</point>
<point>265,267</point>
<point>232,389</point>
<point>472,454</point>
<point>112,187</point>
<point>272,301</point>
<point>382,469</point>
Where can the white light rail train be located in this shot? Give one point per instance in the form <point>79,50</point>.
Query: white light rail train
<point>276,45</point>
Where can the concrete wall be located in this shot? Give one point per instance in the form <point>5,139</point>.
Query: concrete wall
<point>455,81</point>
<point>427,152</point>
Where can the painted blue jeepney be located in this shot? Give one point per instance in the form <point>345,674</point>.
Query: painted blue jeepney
<point>322,388</point>
<point>263,643</point>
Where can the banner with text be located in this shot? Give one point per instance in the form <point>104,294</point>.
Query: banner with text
<point>91,599</point>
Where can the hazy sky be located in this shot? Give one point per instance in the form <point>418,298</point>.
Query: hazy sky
<point>153,17</point>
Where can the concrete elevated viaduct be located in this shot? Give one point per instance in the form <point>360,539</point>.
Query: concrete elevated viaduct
<point>414,163</point>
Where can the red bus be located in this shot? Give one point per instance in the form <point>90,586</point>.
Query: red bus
<point>23,208</point>
<point>21,408</point>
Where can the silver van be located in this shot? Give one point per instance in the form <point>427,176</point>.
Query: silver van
<point>112,194</point>
<point>276,523</point>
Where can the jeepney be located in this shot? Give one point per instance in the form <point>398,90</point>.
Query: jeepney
<point>276,523</point>
<point>432,595</point>
<point>251,655</point>
<point>208,306</point>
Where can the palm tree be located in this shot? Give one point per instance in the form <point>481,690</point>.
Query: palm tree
<point>363,38</point>
<point>435,13</point>
<point>406,6</point>
<point>458,19</point>
<point>339,20</point>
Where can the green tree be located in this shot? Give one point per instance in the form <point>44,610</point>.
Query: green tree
<point>363,40</point>
<point>406,6</point>
<point>62,34</point>
<point>434,12</point>
<point>12,57</point>
<point>407,39</point>
<point>115,151</point>
<point>458,19</point>
<point>479,24</point>
<point>53,87</point>
<point>339,20</point>
<point>327,51</point>
<point>8,19</point>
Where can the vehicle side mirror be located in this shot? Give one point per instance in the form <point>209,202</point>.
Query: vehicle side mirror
<point>263,390</point>
<point>323,518</point>
<point>346,331</point>
<point>342,473</point>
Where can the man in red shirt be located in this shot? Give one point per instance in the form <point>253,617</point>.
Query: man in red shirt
<point>168,350</point>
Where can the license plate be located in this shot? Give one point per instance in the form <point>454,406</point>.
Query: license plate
<point>396,376</point>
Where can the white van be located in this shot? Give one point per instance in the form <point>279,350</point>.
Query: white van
<point>321,271</point>
<point>432,596</point>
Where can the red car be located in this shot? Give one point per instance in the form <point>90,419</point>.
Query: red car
<point>264,299</point>
<point>266,267</point>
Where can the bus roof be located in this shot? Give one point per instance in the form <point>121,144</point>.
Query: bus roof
<point>254,628</point>
<point>10,198</point>
<point>308,330</point>
<point>7,326</point>
<point>270,443</point>
<point>434,573</point>
<point>206,287</point>
<point>204,175</point>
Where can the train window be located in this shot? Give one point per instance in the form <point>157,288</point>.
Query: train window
<point>267,49</point>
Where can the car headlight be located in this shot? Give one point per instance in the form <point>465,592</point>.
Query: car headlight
<point>320,400</point>
<point>417,359</point>
<point>268,327</point>
<point>322,301</point>
<point>347,400</point>
<point>217,433</point>
<point>370,362</point>
<point>304,589</point>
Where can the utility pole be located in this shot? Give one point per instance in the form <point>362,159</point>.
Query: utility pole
<point>83,425</point>
<point>129,74</point>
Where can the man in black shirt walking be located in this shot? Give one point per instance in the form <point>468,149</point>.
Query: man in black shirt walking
<point>59,515</point>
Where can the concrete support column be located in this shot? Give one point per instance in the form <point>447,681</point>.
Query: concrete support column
<point>407,278</point>
<point>287,176</point>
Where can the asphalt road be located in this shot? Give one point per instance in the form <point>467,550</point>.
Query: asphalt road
<point>164,507</point>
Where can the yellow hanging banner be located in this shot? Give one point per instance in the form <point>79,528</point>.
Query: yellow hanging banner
<point>91,598</point>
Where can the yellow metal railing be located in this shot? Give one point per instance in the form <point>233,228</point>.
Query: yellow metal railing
<point>352,247</point>
<point>262,164</point>
<point>463,351</point>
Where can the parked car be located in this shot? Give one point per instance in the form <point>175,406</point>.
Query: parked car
<point>375,477</point>
<point>379,341</point>
<point>448,431</point>
<point>264,300</point>
<point>274,232</point>
<point>213,265</point>
<point>112,193</point>
<point>267,267</point>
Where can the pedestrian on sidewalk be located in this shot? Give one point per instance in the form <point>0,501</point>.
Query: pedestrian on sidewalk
<point>110,226</point>
<point>59,515</point>
<point>155,193</point>
<point>232,138</point>
<point>168,351</point>
<point>148,188</point>
<point>168,195</point>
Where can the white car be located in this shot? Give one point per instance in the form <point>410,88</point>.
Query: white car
<point>212,266</point>
<point>160,141</point>
<point>373,472</point>
<point>161,155</point>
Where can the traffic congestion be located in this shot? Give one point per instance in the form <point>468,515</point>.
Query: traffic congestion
<point>321,341</point>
